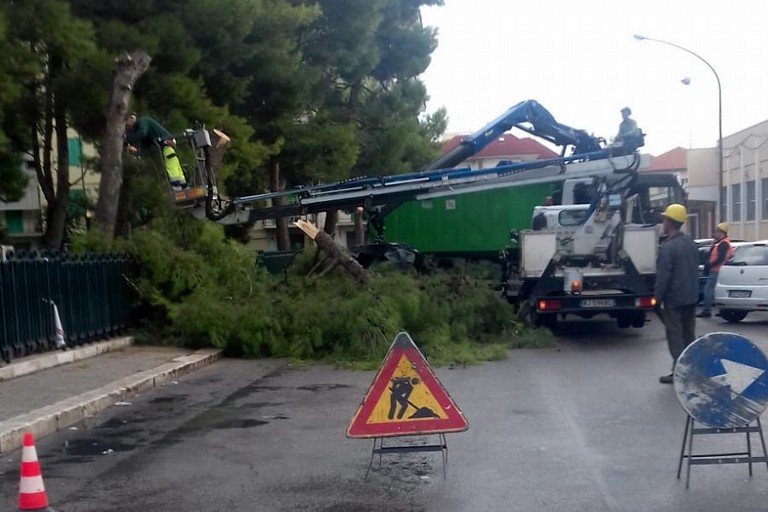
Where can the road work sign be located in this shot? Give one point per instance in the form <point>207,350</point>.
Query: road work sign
<point>406,398</point>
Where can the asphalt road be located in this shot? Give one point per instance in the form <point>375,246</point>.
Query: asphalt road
<point>584,427</point>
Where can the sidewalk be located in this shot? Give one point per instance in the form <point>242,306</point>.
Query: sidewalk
<point>49,392</point>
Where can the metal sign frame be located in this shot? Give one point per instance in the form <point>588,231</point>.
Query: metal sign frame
<point>718,458</point>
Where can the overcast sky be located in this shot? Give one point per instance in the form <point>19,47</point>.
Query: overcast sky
<point>581,62</point>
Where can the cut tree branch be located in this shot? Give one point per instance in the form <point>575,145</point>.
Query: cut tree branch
<point>339,254</point>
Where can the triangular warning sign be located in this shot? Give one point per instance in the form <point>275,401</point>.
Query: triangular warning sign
<point>405,398</point>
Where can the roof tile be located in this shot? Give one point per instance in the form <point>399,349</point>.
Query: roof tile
<point>673,160</point>
<point>506,145</point>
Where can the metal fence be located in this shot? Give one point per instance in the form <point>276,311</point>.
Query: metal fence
<point>89,292</point>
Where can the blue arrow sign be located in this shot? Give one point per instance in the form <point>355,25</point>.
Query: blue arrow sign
<point>721,380</point>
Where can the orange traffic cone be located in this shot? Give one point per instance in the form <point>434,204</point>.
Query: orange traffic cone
<point>31,489</point>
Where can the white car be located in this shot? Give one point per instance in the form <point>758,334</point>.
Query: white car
<point>742,283</point>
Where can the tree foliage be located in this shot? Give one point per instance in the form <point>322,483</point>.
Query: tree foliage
<point>365,58</point>
<point>16,67</point>
<point>63,52</point>
<point>308,91</point>
<point>13,181</point>
<point>196,288</point>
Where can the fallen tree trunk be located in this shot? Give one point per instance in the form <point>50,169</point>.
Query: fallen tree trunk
<point>338,254</point>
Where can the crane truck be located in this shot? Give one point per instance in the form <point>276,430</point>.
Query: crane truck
<point>593,249</point>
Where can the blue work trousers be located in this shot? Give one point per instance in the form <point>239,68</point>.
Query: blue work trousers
<point>709,293</point>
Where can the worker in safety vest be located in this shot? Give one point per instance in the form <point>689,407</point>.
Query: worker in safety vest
<point>146,132</point>
<point>720,252</point>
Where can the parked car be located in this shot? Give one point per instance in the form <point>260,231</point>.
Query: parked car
<point>707,242</point>
<point>742,283</point>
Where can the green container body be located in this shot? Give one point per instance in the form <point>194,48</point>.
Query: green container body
<point>474,224</point>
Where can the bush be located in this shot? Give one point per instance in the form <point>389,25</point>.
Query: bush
<point>195,288</point>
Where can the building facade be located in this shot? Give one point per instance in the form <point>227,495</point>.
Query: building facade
<point>23,220</point>
<point>744,183</point>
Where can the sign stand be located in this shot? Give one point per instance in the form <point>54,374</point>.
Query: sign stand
<point>719,458</point>
<point>380,449</point>
<point>721,380</point>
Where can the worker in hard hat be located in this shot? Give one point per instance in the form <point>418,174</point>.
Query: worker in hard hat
<point>677,289</point>
<point>144,132</point>
<point>719,253</point>
<point>629,134</point>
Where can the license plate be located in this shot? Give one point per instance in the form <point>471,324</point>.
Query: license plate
<point>598,303</point>
<point>739,294</point>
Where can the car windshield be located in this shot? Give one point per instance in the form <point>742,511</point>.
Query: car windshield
<point>569,218</point>
<point>747,255</point>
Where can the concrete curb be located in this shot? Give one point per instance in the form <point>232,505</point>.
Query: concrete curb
<point>49,360</point>
<point>66,413</point>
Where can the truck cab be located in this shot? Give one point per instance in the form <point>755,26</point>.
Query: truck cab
<point>653,191</point>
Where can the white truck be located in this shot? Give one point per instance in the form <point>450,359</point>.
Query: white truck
<point>591,258</point>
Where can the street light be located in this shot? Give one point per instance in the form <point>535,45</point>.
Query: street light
<point>719,105</point>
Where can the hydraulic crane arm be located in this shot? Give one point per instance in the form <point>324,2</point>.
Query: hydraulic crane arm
<point>530,117</point>
<point>381,191</point>
<point>384,193</point>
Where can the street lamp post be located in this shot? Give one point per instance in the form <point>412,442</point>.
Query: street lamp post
<point>719,108</point>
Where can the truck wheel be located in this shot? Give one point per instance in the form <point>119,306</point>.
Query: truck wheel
<point>530,316</point>
<point>548,320</point>
<point>524,313</point>
<point>638,320</point>
<point>731,316</point>
<point>623,320</point>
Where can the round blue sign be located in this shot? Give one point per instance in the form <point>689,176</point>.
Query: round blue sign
<point>721,380</point>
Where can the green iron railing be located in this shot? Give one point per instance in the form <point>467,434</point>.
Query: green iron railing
<point>90,292</point>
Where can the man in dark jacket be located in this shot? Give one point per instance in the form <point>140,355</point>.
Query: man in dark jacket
<point>145,133</point>
<point>677,290</point>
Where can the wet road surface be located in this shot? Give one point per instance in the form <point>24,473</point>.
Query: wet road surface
<point>584,426</point>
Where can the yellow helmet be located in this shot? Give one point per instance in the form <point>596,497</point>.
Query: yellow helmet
<point>676,212</point>
<point>723,226</point>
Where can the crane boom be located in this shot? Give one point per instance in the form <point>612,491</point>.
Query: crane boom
<point>383,193</point>
<point>386,190</point>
